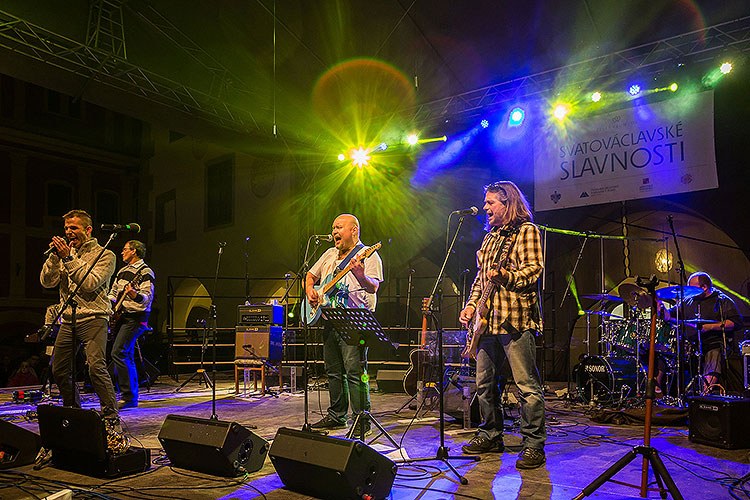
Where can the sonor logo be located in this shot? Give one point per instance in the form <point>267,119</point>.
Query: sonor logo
<point>595,369</point>
<point>704,406</point>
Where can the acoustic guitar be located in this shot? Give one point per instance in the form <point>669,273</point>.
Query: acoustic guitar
<point>422,362</point>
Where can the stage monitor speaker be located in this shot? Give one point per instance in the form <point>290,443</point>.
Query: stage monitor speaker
<point>719,421</point>
<point>18,446</point>
<point>212,446</point>
<point>391,380</point>
<point>455,398</point>
<point>78,440</point>
<point>329,467</point>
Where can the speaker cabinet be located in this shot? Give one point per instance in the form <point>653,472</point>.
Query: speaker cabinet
<point>18,446</point>
<point>329,467</point>
<point>719,421</point>
<point>256,342</point>
<point>212,446</point>
<point>78,440</point>
<point>391,380</point>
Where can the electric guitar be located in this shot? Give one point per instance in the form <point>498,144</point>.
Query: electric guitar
<point>114,320</point>
<point>422,363</point>
<point>478,323</point>
<point>327,289</point>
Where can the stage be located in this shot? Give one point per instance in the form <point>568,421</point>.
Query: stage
<point>577,450</point>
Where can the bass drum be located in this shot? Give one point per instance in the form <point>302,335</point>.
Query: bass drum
<point>601,379</point>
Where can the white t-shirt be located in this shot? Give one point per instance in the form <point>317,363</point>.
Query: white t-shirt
<point>350,293</point>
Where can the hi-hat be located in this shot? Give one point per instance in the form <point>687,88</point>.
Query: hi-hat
<point>602,296</point>
<point>673,292</point>
<point>698,322</point>
<point>634,295</point>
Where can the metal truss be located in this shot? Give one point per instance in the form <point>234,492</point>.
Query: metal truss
<point>107,68</point>
<point>105,28</point>
<point>222,79</point>
<point>651,58</point>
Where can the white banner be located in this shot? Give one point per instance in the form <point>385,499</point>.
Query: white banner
<point>639,152</point>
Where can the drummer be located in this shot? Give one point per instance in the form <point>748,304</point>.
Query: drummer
<point>718,317</point>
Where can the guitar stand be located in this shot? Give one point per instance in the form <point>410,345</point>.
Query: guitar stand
<point>357,326</point>
<point>201,371</point>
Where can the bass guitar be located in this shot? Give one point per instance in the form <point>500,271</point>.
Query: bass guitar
<point>114,320</point>
<point>478,323</point>
<point>422,363</point>
<point>327,289</point>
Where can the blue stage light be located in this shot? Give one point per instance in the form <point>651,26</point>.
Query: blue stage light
<point>516,117</point>
<point>485,123</point>
<point>634,89</point>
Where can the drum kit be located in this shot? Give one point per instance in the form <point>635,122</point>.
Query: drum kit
<point>619,371</point>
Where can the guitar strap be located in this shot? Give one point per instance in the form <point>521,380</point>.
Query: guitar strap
<point>349,257</point>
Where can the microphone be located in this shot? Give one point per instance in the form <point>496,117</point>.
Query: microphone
<point>326,237</point>
<point>52,250</point>
<point>122,228</point>
<point>467,211</point>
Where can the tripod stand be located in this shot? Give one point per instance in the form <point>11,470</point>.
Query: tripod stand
<point>201,371</point>
<point>442,451</point>
<point>358,327</point>
<point>649,453</point>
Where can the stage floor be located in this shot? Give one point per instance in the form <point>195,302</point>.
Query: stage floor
<point>578,450</point>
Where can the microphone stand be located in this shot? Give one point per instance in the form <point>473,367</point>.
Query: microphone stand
<point>302,275</point>
<point>680,314</point>
<point>442,452</point>
<point>212,327</point>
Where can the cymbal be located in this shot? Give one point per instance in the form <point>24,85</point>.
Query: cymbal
<point>697,322</point>
<point>634,295</point>
<point>673,292</point>
<point>602,296</point>
<point>604,313</point>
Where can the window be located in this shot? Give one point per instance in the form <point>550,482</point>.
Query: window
<point>219,193</point>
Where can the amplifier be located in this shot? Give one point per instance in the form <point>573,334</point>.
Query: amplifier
<point>719,421</point>
<point>260,314</point>
<point>258,342</point>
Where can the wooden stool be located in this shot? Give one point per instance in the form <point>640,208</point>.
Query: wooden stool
<point>253,367</point>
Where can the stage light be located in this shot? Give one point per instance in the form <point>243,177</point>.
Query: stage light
<point>634,89</point>
<point>596,96</point>
<point>560,111</point>
<point>360,157</point>
<point>516,117</point>
<point>342,157</point>
<point>412,139</point>
<point>380,147</point>
<point>673,87</point>
<point>485,123</point>
<point>725,68</point>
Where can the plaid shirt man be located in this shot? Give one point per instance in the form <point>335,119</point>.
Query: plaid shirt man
<point>514,305</point>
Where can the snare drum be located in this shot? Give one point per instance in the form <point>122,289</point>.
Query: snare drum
<point>601,378</point>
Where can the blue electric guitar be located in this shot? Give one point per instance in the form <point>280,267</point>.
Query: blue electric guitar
<point>327,290</point>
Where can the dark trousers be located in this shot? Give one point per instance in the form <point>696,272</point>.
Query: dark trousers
<point>123,349</point>
<point>92,334</point>
<point>345,366</point>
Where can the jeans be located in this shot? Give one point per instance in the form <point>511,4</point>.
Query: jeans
<point>93,335</point>
<point>122,355</point>
<point>345,365</point>
<point>520,351</point>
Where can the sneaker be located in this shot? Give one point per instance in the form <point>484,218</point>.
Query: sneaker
<point>123,405</point>
<point>328,422</point>
<point>354,432</point>
<point>480,444</point>
<point>530,458</point>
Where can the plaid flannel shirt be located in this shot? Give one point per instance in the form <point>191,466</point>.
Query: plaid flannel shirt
<point>514,305</point>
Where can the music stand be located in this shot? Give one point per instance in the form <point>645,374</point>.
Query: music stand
<point>358,327</point>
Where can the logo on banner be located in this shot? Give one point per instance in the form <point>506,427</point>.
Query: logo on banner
<point>555,197</point>
<point>584,194</point>
<point>686,179</point>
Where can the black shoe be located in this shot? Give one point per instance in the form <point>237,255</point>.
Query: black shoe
<point>122,404</point>
<point>328,422</point>
<point>480,444</point>
<point>530,458</point>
